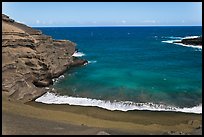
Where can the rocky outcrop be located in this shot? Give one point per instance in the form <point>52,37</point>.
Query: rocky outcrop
<point>191,41</point>
<point>30,60</point>
<point>78,62</point>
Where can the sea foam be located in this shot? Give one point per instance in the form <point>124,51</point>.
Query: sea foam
<point>92,61</point>
<point>171,37</point>
<point>51,98</point>
<point>190,37</point>
<point>192,46</point>
<point>55,80</point>
<point>78,54</point>
<point>187,37</point>
<point>171,41</point>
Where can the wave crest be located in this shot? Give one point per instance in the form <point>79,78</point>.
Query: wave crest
<point>51,98</point>
<point>190,37</point>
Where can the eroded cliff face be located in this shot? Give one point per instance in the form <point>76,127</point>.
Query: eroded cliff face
<point>31,59</point>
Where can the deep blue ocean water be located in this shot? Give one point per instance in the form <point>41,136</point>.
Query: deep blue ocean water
<point>133,64</point>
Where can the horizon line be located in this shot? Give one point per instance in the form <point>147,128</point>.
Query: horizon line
<point>126,26</point>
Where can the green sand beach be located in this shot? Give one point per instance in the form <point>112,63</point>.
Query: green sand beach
<point>66,119</point>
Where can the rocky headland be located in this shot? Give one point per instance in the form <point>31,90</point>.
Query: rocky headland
<point>30,60</point>
<point>191,41</point>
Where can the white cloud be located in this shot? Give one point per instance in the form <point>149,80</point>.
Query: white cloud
<point>123,21</point>
<point>37,21</point>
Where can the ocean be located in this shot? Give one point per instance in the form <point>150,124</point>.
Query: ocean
<point>131,68</point>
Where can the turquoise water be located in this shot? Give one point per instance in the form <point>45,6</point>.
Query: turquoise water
<point>133,64</point>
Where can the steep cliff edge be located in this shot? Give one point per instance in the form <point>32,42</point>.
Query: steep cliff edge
<point>31,59</point>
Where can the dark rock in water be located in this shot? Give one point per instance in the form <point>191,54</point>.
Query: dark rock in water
<point>191,41</point>
<point>31,59</point>
<point>79,62</point>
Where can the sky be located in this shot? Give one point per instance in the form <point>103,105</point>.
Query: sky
<point>77,14</point>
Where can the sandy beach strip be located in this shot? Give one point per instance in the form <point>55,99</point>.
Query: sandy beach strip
<point>38,118</point>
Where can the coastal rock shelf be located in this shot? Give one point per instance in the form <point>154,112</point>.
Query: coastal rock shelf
<point>191,41</point>
<point>30,60</point>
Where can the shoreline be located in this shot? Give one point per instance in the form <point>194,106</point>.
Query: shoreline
<point>54,98</point>
<point>113,122</point>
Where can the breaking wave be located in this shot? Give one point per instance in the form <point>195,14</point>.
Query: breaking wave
<point>92,61</point>
<point>55,80</point>
<point>78,54</point>
<point>51,98</point>
<point>178,39</point>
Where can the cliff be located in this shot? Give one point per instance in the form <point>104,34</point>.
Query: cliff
<point>30,60</point>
